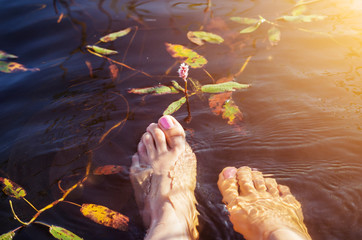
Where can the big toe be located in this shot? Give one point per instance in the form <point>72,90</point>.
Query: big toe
<point>175,134</point>
<point>228,184</point>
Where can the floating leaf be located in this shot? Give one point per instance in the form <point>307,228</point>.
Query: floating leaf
<point>7,236</point>
<point>158,90</point>
<point>11,67</point>
<point>113,36</point>
<point>12,189</point>
<point>244,20</point>
<point>4,55</point>
<point>302,18</point>
<point>63,234</point>
<point>198,37</point>
<point>103,51</point>
<point>173,107</point>
<point>105,216</point>
<point>190,57</point>
<point>274,35</point>
<point>108,170</point>
<point>251,28</point>
<point>223,87</point>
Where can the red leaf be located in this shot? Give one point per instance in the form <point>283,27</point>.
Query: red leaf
<point>108,170</point>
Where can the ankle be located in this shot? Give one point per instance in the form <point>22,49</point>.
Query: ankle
<point>285,234</point>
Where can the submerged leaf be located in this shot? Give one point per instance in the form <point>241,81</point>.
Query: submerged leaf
<point>173,107</point>
<point>158,90</point>
<point>105,216</point>
<point>7,236</point>
<point>274,35</point>
<point>223,87</point>
<point>232,112</point>
<point>244,20</point>
<point>11,67</point>
<point>222,104</point>
<point>63,234</point>
<point>4,55</point>
<point>113,36</point>
<point>198,37</point>
<point>12,189</point>
<point>302,18</point>
<point>108,170</point>
<point>190,57</point>
<point>103,51</point>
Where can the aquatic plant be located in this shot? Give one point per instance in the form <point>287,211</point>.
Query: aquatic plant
<point>11,67</point>
<point>97,213</point>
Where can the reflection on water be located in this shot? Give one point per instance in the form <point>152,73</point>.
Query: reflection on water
<point>302,115</point>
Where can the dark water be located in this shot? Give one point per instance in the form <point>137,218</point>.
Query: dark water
<point>302,115</point>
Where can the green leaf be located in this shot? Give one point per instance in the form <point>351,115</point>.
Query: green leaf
<point>103,51</point>
<point>4,55</point>
<point>302,18</point>
<point>173,107</point>
<point>12,189</point>
<point>11,67</point>
<point>113,36</point>
<point>158,90</point>
<point>62,233</point>
<point>7,236</point>
<point>244,20</point>
<point>231,112</point>
<point>223,87</point>
<point>177,86</point>
<point>251,28</point>
<point>274,35</point>
<point>190,57</point>
<point>198,37</point>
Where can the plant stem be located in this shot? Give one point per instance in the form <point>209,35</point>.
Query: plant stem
<point>30,204</point>
<point>188,118</point>
<point>15,216</point>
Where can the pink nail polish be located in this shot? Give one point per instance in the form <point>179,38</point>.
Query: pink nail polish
<point>229,173</point>
<point>166,122</point>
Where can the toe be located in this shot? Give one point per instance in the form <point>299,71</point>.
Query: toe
<point>284,190</point>
<point>245,181</point>
<point>158,137</point>
<point>135,163</point>
<point>149,144</point>
<point>272,186</point>
<point>142,153</point>
<point>175,134</point>
<point>228,185</point>
<point>258,180</point>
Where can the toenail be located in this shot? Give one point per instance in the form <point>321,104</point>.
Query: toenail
<point>230,173</point>
<point>166,122</point>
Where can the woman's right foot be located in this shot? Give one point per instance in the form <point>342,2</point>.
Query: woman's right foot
<point>163,175</point>
<point>259,207</point>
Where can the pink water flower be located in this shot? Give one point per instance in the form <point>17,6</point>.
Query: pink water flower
<point>183,71</point>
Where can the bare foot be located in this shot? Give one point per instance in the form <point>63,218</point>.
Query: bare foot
<point>163,175</point>
<point>259,207</point>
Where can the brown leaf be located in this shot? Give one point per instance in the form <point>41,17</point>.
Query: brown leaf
<point>217,101</point>
<point>105,216</point>
<point>114,71</point>
<point>108,170</point>
<point>222,104</point>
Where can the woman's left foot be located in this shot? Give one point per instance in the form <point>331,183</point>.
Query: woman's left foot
<point>163,175</point>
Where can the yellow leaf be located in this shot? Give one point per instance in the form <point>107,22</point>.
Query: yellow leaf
<point>105,216</point>
<point>190,57</point>
<point>12,189</point>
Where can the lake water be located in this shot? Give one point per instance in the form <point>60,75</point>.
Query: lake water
<point>301,115</point>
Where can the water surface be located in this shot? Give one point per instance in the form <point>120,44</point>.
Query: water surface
<point>302,114</point>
